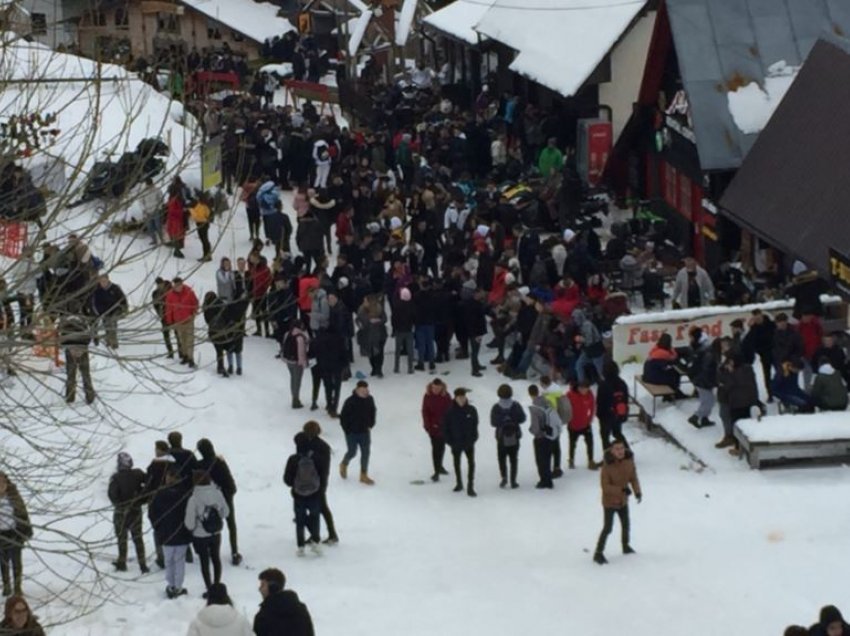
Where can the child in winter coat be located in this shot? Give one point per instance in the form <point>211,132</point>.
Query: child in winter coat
<point>583,409</point>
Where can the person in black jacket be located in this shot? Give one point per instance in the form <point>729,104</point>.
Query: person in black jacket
<point>474,316</point>
<point>506,417</point>
<point>460,431</point>
<point>306,492</point>
<point>221,476</point>
<point>758,341</point>
<point>322,454</point>
<point>358,419</point>
<point>787,344</point>
<point>703,373</point>
<point>612,404</point>
<point>834,354</point>
<point>425,322</point>
<point>217,328</point>
<point>403,317</point>
<point>108,303</point>
<point>167,512</point>
<point>184,460</point>
<point>328,349</point>
<point>127,494</point>
<point>154,482</point>
<point>309,237</point>
<point>281,612</point>
<point>831,623</point>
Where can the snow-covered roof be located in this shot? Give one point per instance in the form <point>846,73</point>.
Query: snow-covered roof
<point>358,31</point>
<point>405,21</point>
<point>559,43</point>
<point>459,19</point>
<point>752,105</point>
<point>257,20</point>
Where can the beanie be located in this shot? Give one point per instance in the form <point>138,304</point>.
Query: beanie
<point>404,294</point>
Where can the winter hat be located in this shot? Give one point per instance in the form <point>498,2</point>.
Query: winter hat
<point>125,462</point>
<point>404,294</point>
<point>342,283</point>
<point>569,235</point>
<point>510,279</point>
<point>217,595</point>
<point>395,223</point>
<point>798,268</point>
<point>470,284</point>
<point>482,230</point>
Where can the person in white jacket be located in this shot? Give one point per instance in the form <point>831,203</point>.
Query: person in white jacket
<point>206,511</point>
<point>693,286</point>
<point>219,618</point>
<point>322,159</point>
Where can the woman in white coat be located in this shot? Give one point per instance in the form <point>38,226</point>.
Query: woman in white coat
<point>219,618</point>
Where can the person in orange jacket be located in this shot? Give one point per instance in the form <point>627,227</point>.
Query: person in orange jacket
<point>583,408</point>
<point>618,480</point>
<point>181,305</point>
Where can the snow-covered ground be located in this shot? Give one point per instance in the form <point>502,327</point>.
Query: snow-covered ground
<point>719,550</point>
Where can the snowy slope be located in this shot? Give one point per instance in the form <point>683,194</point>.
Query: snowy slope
<point>420,559</point>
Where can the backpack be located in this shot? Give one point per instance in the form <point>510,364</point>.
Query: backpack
<point>290,347</point>
<point>510,431</point>
<point>268,199</point>
<point>307,480</point>
<point>211,520</point>
<point>620,401</point>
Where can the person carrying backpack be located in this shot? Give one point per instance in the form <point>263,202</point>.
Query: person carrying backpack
<point>302,475</point>
<point>206,511</point>
<point>612,404</point>
<point>506,417</point>
<point>546,429</point>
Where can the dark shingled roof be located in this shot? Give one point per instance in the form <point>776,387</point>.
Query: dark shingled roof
<point>794,187</point>
<point>722,43</point>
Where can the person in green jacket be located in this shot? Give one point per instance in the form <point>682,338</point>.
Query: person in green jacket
<point>828,390</point>
<point>551,160</point>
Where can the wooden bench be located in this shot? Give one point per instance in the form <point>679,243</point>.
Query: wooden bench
<point>761,451</point>
<point>655,390</point>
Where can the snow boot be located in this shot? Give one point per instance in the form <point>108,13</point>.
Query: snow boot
<point>693,420</point>
<point>705,422</point>
<point>557,473</point>
<point>600,558</point>
<point>119,566</point>
<point>443,471</point>
<point>343,470</point>
<point>365,479</point>
<point>458,487</point>
<point>297,405</point>
<point>435,477</point>
<point>726,442</point>
<point>236,559</point>
<point>470,491</point>
<point>503,483</point>
<point>627,549</point>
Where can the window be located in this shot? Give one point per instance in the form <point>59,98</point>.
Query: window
<point>213,33</point>
<point>122,18</point>
<point>94,18</point>
<point>39,23</point>
<point>168,23</point>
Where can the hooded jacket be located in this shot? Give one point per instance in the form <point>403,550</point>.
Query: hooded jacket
<point>829,615</point>
<point>202,497</point>
<point>220,620</point>
<point>583,408</point>
<point>545,421</point>
<point>504,415</point>
<point>615,476</point>
<point>283,614</point>
<point>167,512</point>
<point>434,407</point>
<point>828,390</point>
<point>180,306</point>
<point>460,426</point>
<point>358,414</point>
<point>680,287</point>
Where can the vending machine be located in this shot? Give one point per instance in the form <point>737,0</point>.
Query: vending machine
<point>595,140</point>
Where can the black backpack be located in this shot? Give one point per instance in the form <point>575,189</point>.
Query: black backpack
<point>211,520</point>
<point>510,430</point>
<point>290,347</point>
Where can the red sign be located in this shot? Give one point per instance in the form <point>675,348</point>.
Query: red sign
<point>600,139</point>
<point>13,237</point>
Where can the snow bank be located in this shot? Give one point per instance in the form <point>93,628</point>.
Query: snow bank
<point>105,113</point>
<point>258,20</point>
<point>559,43</point>
<point>812,427</point>
<point>752,105</point>
<point>706,312</point>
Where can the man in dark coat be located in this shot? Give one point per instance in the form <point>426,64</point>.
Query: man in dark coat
<point>154,482</point>
<point>460,430</point>
<point>221,476</point>
<point>281,613</point>
<point>358,419</point>
<point>322,456</point>
<point>787,343</point>
<point>758,341</point>
<point>167,512</point>
<point>184,459</point>
<point>329,350</point>
<point>108,303</point>
<point>474,316</point>
<point>127,494</point>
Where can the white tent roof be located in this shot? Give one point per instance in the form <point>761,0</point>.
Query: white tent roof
<point>459,19</point>
<point>258,20</point>
<point>559,43</point>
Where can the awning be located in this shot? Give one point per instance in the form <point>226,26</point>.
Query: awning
<point>793,188</point>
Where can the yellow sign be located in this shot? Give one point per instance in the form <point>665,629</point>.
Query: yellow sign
<point>211,164</point>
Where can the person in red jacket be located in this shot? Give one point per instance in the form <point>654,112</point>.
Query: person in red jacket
<point>500,284</point>
<point>181,305</point>
<point>344,227</point>
<point>584,408</point>
<point>435,403</point>
<point>306,284</point>
<point>261,281</point>
<point>175,220</point>
<point>811,331</point>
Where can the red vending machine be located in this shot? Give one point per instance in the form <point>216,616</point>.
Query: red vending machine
<point>595,140</point>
